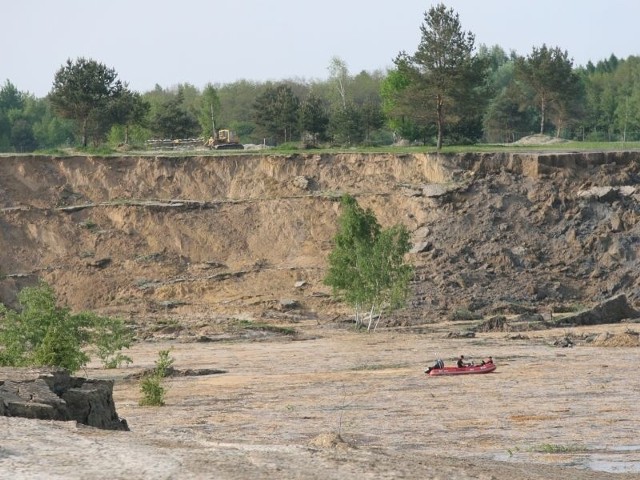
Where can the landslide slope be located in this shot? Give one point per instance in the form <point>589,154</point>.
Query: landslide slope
<point>247,236</point>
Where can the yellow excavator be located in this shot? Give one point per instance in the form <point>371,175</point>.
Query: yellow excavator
<point>224,140</point>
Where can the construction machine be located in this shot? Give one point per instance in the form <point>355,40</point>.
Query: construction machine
<point>224,139</point>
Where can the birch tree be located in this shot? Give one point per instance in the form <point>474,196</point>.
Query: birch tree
<point>548,73</point>
<point>366,267</point>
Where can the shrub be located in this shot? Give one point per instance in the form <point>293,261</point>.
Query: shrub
<point>151,387</point>
<point>42,333</point>
<point>152,391</point>
<point>111,335</point>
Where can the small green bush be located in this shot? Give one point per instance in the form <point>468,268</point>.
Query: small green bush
<point>288,146</point>
<point>111,335</point>
<point>44,334</point>
<point>164,363</point>
<point>153,391</point>
<point>151,387</point>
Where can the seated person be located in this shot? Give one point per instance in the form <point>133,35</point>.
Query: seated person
<point>487,361</point>
<point>461,362</point>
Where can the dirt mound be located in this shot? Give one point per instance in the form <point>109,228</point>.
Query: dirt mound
<point>330,441</point>
<point>539,140</point>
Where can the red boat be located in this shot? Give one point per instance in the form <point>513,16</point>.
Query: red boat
<point>483,368</point>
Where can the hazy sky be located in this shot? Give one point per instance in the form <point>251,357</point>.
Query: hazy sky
<point>165,42</point>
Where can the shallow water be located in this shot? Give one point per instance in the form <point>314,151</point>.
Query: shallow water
<point>616,459</point>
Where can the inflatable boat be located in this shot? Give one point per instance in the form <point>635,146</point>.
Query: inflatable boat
<point>470,369</point>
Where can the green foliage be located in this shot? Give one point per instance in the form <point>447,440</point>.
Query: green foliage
<point>44,334</point>
<point>22,137</point>
<point>505,118</point>
<point>84,91</point>
<point>209,111</point>
<point>61,347</point>
<point>16,130</point>
<point>151,386</point>
<point>340,80</point>
<point>441,76</point>
<point>102,150</point>
<point>555,448</point>
<point>164,362</point>
<point>236,108</point>
<point>555,87</point>
<point>276,111</point>
<point>346,125</point>
<point>127,109</point>
<point>173,119</point>
<point>153,391</point>
<point>49,130</point>
<point>366,266</point>
<point>314,117</point>
<point>110,337</point>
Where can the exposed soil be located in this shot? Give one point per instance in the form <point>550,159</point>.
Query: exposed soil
<point>222,237</point>
<point>187,248</point>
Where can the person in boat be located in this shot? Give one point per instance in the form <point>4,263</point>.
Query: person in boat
<point>462,363</point>
<point>438,365</point>
<point>487,361</point>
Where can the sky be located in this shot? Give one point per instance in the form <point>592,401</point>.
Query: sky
<point>164,42</point>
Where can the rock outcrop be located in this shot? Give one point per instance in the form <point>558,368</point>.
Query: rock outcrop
<point>55,395</point>
<point>613,310</point>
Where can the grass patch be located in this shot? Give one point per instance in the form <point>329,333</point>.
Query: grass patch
<point>455,149</point>
<point>102,150</point>
<point>294,147</point>
<point>53,152</point>
<point>555,448</point>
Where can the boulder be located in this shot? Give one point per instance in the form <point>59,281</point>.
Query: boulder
<point>612,310</point>
<point>422,247</point>
<point>301,182</point>
<point>50,394</point>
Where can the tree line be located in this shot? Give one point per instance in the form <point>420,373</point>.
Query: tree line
<point>447,92</point>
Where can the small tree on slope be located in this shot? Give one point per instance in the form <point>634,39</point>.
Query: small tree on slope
<point>366,267</point>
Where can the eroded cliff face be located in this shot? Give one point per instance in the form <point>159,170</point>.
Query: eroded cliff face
<point>209,238</point>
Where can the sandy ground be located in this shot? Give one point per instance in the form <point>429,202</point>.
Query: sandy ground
<point>338,404</point>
